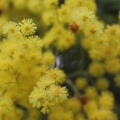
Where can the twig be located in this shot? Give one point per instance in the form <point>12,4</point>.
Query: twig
<point>76,92</point>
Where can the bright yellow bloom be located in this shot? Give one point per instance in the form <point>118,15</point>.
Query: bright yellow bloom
<point>57,74</point>
<point>96,69</point>
<point>106,101</point>
<point>83,15</point>
<point>81,83</point>
<point>37,97</point>
<point>58,94</point>
<point>103,83</point>
<point>10,27</point>
<point>27,27</point>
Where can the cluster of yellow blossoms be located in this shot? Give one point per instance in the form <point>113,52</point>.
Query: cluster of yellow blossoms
<point>98,108</point>
<point>23,63</point>
<point>30,81</point>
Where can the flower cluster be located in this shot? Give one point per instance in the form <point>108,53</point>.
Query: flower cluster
<point>48,92</point>
<point>23,63</point>
<point>94,109</point>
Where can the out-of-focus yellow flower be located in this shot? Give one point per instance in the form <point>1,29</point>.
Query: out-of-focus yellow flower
<point>73,105</point>
<point>106,101</point>
<point>96,69</point>
<point>48,58</point>
<point>112,66</point>
<point>81,83</point>
<point>103,115</point>
<point>37,97</point>
<point>91,92</point>
<point>102,83</point>
<point>90,107</point>
<point>10,27</point>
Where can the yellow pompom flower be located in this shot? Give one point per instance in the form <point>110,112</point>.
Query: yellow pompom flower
<point>37,97</point>
<point>58,94</point>
<point>90,4</point>
<point>81,83</point>
<point>10,27</point>
<point>96,54</point>
<point>66,42</point>
<point>45,82</point>
<point>112,66</point>
<point>90,107</point>
<point>34,6</point>
<point>57,74</point>
<point>109,52</point>
<point>91,92</point>
<point>102,83</point>
<point>63,11</point>
<point>6,64</point>
<point>48,58</point>
<point>6,104</point>
<point>48,106</point>
<point>94,29</point>
<point>106,101</point>
<point>40,71</point>
<point>100,42</point>
<point>83,15</point>
<point>73,104</point>
<point>49,17</point>
<point>27,27</point>
<point>96,69</point>
<point>19,5</point>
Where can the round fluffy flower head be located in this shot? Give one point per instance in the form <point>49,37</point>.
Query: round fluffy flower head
<point>27,27</point>
<point>90,107</point>
<point>106,100</point>
<point>36,97</point>
<point>102,83</point>
<point>34,6</point>
<point>48,106</point>
<point>5,104</point>
<point>57,74</point>
<point>9,28</point>
<point>82,15</point>
<point>73,104</point>
<point>48,58</point>
<point>91,92</point>
<point>94,29</point>
<point>96,69</point>
<point>113,66</point>
<point>81,82</point>
<point>45,82</point>
<point>58,94</point>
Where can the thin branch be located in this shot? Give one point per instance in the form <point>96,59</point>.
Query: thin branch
<point>72,86</point>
